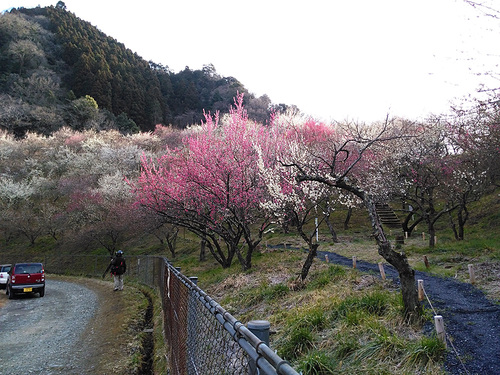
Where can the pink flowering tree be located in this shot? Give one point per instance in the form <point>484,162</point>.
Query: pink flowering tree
<point>345,157</point>
<point>211,186</point>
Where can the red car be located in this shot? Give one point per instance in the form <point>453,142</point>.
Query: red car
<point>26,278</point>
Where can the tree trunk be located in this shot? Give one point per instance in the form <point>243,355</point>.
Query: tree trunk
<point>453,226</point>
<point>331,228</point>
<point>410,228</point>
<point>348,218</point>
<point>463,216</point>
<point>313,251</point>
<point>432,235</point>
<point>411,304</point>
<point>203,250</point>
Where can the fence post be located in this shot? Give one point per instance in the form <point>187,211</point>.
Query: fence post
<point>194,279</point>
<point>426,261</point>
<point>381,268</point>
<point>354,262</point>
<point>472,275</point>
<point>420,290</point>
<point>439,323</point>
<point>326,258</point>
<point>259,328</point>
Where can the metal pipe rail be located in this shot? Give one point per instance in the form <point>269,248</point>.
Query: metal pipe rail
<point>265,359</point>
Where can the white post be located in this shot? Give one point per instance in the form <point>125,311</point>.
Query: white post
<point>439,324</point>
<point>472,275</point>
<point>354,262</point>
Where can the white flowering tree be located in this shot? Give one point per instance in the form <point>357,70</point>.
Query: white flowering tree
<point>290,201</point>
<point>345,157</point>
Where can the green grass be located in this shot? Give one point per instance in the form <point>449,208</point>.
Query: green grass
<point>341,322</point>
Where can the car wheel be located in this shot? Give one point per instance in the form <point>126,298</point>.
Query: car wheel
<point>42,292</point>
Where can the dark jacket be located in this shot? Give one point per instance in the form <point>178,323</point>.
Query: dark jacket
<point>118,265</point>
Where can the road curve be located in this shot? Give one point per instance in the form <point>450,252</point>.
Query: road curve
<point>42,335</point>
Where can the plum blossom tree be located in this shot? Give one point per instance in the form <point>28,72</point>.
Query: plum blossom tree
<point>421,167</point>
<point>211,186</point>
<point>344,157</point>
<point>291,201</point>
<point>473,138</point>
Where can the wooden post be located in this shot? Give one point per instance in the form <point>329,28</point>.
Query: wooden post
<point>423,236</point>
<point>439,324</point>
<point>406,235</point>
<point>435,240</point>
<point>326,258</point>
<point>472,276</point>
<point>381,268</point>
<point>426,261</point>
<point>421,295</point>
<point>354,261</point>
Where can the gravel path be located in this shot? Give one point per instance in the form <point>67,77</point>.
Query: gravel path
<point>42,335</point>
<point>472,322</point>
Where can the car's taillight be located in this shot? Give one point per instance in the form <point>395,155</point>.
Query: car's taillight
<point>13,279</point>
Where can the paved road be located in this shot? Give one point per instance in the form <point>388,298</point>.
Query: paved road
<point>41,335</point>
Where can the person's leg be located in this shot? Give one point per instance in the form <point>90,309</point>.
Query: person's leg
<point>116,279</point>
<point>121,283</point>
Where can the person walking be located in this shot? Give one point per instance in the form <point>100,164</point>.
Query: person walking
<point>118,266</point>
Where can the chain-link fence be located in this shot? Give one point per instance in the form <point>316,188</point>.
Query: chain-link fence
<point>202,337</point>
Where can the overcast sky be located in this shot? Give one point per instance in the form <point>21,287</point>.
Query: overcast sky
<point>355,59</point>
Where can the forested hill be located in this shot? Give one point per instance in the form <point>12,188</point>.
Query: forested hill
<point>58,70</point>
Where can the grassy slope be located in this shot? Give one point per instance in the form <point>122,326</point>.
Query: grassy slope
<point>344,321</point>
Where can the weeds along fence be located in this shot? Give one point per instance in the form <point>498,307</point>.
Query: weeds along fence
<point>201,336</point>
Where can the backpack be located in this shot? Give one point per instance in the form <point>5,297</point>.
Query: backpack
<point>117,268</point>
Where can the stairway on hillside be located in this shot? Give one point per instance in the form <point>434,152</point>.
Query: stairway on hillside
<point>387,216</point>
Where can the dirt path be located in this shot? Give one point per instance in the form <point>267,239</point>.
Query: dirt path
<point>472,322</point>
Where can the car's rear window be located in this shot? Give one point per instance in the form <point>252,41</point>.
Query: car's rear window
<point>5,269</point>
<point>29,268</point>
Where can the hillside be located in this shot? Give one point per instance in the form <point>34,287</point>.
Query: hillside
<point>59,70</point>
